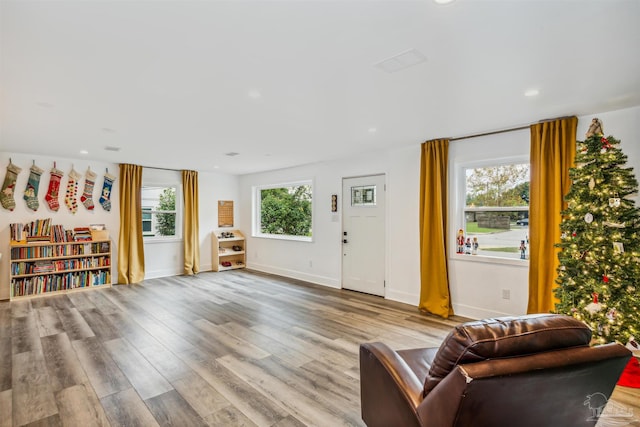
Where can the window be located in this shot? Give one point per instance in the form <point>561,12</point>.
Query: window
<point>496,211</point>
<point>160,212</point>
<point>284,211</point>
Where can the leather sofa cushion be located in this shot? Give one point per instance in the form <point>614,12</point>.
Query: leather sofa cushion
<point>504,337</point>
<point>419,360</point>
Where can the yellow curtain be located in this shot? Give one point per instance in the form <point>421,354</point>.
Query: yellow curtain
<point>191,223</point>
<point>553,152</point>
<point>130,245</point>
<point>434,276</point>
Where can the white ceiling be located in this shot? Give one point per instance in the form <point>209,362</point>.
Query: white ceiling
<point>175,83</point>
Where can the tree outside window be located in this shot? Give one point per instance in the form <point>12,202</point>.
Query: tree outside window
<point>159,211</point>
<point>285,211</point>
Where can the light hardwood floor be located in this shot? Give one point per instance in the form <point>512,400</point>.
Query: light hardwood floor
<point>219,349</point>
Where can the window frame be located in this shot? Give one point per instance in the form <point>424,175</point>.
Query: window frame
<point>256,217</point>
<point>461,208</point>
<point>178,212</point>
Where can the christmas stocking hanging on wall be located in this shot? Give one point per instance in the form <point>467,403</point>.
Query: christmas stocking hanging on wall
<point>31,192</point>
<point>54,187</point>
<point>106,191</point>
<point>8,187</point>
<point>87,194</point>
<point>72,191</point>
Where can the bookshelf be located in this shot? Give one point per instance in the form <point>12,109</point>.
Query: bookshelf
<point>54,261</point>
<point>228,250</point>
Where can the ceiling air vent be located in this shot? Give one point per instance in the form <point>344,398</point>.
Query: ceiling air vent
<point>112,148</point>
<point>231,154</point>
<point>403,60</point>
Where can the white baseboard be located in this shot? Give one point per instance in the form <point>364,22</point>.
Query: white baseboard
<point>161,273</point>
<point>404,297</point>
<point>293,274</point>
<point>478,312</point>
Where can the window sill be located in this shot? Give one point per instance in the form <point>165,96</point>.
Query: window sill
<point>281,237</point>
<point>490,260</point>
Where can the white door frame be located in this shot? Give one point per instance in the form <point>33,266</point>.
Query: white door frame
<point>346,198</point>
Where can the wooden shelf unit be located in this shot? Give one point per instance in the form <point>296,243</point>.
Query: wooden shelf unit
<point>222,250</point>
<point>46,268</point>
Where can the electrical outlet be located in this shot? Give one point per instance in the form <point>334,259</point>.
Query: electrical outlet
<point>506,294</point>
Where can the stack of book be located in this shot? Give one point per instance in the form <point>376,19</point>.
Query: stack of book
<point>82,234</point>
<point>38,230</point>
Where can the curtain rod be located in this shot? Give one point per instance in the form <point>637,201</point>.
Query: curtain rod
<point>495,132</point>
<point>162,169</point>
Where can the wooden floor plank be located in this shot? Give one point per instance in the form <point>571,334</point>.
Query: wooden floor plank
<point>229,416</point>
<point>170,409</point>
<point>140,373</point>
<point>6,410</point>
<point>200,395</point>
<point>236,348</point>
<point>125,408</point>
<point>32,397</point>
<point>104,375</point>
<point>78,405</point>
<point>61,361</point>
<point>5,363</point>
<point>74,324</point>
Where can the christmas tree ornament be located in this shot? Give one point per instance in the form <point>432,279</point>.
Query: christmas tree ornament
<point>9,186</point>
<point>72,191</point>
<point>595,128</point>
<point>614,224</point>
<point>614,202</point>
<point>31,192</point>
<point>618,248</point>
<point>605,278</point>
<point>105,200</point>
<point>588,218</point>
<point>595,306</point>
<point>592,184</point>
<point>87,194</point>
<point>54,187</point>
<point>611,314</point>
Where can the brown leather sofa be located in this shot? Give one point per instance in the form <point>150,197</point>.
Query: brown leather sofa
<point>534,370</point>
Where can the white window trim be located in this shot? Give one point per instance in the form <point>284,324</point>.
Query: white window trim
<point>460,181</point>
<point>257,207</point>
<point>179,209</point>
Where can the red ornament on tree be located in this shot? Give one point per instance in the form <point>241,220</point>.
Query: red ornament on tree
<point>605,143</point>
<point>605,278</point>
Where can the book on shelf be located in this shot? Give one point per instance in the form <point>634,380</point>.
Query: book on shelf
<point>81,234</point>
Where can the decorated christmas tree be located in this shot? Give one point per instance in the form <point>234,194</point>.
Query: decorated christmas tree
<point>599,272</point>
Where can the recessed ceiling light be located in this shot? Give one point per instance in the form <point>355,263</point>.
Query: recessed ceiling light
<point>108,130</point>
<point>443,1</point>
<point>84,152</point>
<point>373,130</point>
<point>532,92</point>
<point>231,154</point>
<point>254,94</point>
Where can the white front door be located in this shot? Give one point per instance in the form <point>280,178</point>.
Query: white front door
<point>363,234</point>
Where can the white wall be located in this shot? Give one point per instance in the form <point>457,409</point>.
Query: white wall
<point>163,258</point>
<point>83,217</point>
<point>476,287</point>
<point>292,258</point>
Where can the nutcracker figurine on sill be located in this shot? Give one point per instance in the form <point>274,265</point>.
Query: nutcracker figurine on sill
<point>460,242</point>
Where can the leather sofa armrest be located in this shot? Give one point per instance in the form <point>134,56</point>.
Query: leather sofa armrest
<point>390,391</point>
